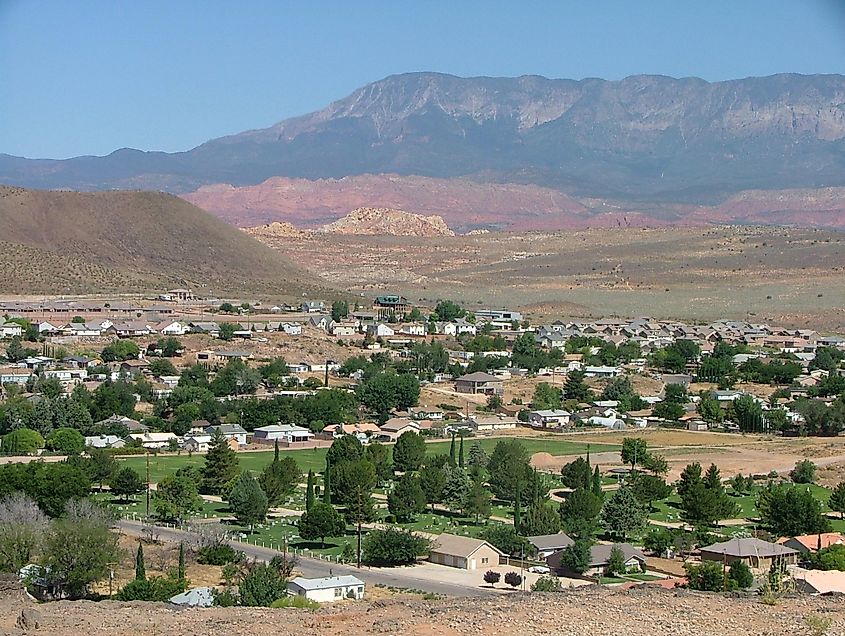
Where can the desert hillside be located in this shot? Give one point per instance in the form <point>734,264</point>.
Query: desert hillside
<point>377,221</point>
<point>63,242</point>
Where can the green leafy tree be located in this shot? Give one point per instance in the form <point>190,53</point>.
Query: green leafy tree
<point>340,310</point>
<point>120,350</point>
<point>456,488</point>
<point>432,482</point>
<point>126,483</point>
<point>248,501</point>
<point>477,456</point>
<point>407,499</point>
<point>447,310</point>
<point>577,556</point>
<point>650,488</point>
<point>829,558</point>
<point>408,452</point>
<point>23,527</point>
<point>837,499</point>
<point>67,441</point>
<point>54,485</point>
<point>221,466</point>
<point>279,479</point>
<point>80,548</point>
<point>346,448</point>
<point>262,585</point>
<point>392,547</point>
<point>616,561</point>
<point>22,441</point>
<point>176,496</point>
<point>383,392</point>
<point>491,577</point>
<point>706,577</point>
<point>804,472</point>
<point>321,521</point>
<point>634,451</point>
<point>579,513</point>
<point>622,514</point>
<point>540,518</point>
<point>379,456</point>
<point>507,539</point>
<point>227,330</point>
<point>577,474</point>
<point>478,502</point>
<point>546,396</point>
<point>509,470</point>
<point>740,576</point>
<point>791,511</point>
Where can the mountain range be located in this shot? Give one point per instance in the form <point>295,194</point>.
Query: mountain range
<point>671,149</point>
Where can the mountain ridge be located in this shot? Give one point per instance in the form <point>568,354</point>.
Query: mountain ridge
<point>645,138</point>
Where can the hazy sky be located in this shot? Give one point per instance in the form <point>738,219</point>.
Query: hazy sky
<point>88,77</point>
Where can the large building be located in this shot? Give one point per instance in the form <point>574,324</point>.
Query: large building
<point>465,553</point>
<point>755,553</point>
<point>480,383</point>
<point>391,305</point>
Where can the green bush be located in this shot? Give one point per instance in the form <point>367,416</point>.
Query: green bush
<point>393,547</point>
<point>299,602</point>
<point>740,574</point>
<point>156,588</point>
<point>706,577</point>
<point>22,441</point>
<point>220,554</point>
<point>546,584</point>
<point>68,441</point>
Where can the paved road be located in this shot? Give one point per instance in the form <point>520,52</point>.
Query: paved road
<point>316,568</point>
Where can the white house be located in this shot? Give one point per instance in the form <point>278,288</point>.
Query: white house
<point>291,328</point>
<point>344,329</point>
<point>154,440</point>
<point>328,589</point>
<point>196,443</point>
<point>172,328</point>
<point>286,433</point>
<point>104,441</point>
<point>462,327</point>
<point>550,418</point>
<point>229,431</point>
<point>14,375</point>
<point>413,329</point>
<point>10,330</point>
<point>601,372</point>
<point>380,330</point>
<point>446,328</point>
<point>82,329</point>
<point>45,327</point>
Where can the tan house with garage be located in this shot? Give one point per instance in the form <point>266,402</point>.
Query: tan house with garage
<point>465,553</point>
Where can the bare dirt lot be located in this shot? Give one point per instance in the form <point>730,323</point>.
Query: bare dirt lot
<point>637,612</point>
<point>784,276</point>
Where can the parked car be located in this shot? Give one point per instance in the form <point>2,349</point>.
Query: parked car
<point>539,569</point>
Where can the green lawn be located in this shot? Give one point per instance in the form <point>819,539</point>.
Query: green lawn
<point>315,459</point>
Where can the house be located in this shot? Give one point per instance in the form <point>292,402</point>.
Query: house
<point>549,418</point>
<point>82,329</point>
<point>480,383</point>
<point>548,544</point>
<point>462,327</point>
<point>481,424</point>
<point>134,367</point>
<point>171,328</point>
<point>10,330</point>
<point>208,328</point>
<point>154,440</point>
<point>104,441</point>
<point>229,431</point>
<point>133,426</point>
<point>361,430</point>
<point>284,433</point>
<point>322,322</point>
<point>14,375</point>
<point>46,328</point>
<point>498,315</point>
<point>446,328</point>
<point>313,306</point>
<point>195,597</point>
<point>754,552</point>
<point>426,413</point>
<point>380,330</point>
<point>196,443</point>
<point>413,329</point>
<point>180,294</point>
<point>391,305</point>
<point>130,329</point>
<point>599,557</point>
<point>395,426</point>
<point>327,589</point>
<point>812,542</point>
<point>819,581</point>
<point>601,372</point>
<point>465,553</point>
<point>344,329</point>
<point>222,357</point>
<point>291,328</point>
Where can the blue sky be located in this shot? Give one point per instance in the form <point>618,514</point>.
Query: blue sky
<point>91,76</point>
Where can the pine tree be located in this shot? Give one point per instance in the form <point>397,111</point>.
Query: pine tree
<point>837,499</point>
<point>461,453</point>
<point>248,501</point>
<point>181,572</point>
<point>327,484</point>
<point>140,569</point>
<point>221,466</point>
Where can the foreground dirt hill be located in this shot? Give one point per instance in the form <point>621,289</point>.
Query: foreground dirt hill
<point>72,242</point>
<point>591,610</point>
<point>386,221</point>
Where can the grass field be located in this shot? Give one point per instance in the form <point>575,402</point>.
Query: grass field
<point>315,459</point>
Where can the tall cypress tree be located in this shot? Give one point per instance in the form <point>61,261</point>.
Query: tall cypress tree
<point>597,482</point>
<point>461,452</point>
<point>309,491</point>
<point>517,505</point>
<point>181,572</point>
<point>452,451</point>
<point>276,451</point>
<point>140,569</point>
<point>327,484</point>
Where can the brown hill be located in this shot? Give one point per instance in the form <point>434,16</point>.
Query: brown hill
<point>378,221</point>
<point>463,204</point>
<point>68,242</point>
